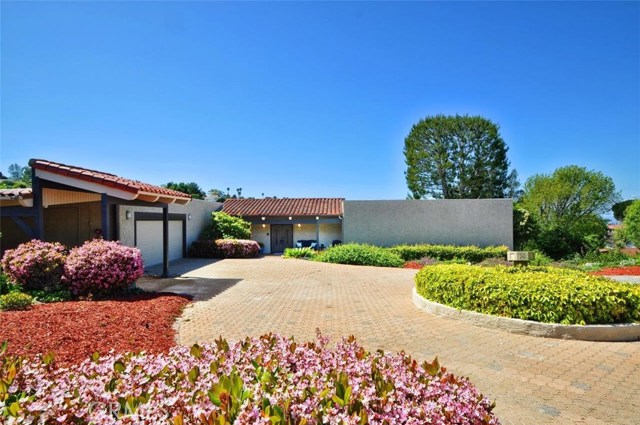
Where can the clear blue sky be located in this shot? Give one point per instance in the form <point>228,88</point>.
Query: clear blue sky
<point>315,99</point>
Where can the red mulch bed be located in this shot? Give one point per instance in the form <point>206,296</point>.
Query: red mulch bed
<point>620,271</point>
<point>413,265</point>
<point>74,330</point>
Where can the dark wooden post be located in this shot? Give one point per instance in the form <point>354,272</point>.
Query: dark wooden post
<point>104,206</point>
<point>165,241</point>
<point>37,205</point>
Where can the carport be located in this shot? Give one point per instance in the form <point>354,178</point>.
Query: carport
<point>91,198</point>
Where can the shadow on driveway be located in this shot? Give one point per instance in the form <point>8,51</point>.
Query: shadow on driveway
<point>201,289</point>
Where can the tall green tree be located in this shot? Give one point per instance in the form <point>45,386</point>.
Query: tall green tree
<point>458,157</point>
<point>567,205</point>
<point>191,188</point>
<point>18,177</point>
<point>631,228</point>
<point>619,209</point>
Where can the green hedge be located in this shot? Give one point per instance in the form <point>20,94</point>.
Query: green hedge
<point>361,255</point>
<point>542,294</point>
<point>472,254</point>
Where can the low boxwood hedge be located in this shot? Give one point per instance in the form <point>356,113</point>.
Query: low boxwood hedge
<point>361,255</point>
<point>472,254</point>
<point>542,294</point>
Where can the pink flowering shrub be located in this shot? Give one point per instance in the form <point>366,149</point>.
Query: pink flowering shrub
<point>35,265</point>
<point>263,380</point>
<point>237,248</point>
<point>100,267</point>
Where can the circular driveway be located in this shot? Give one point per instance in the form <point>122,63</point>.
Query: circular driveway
<point>532,380</point>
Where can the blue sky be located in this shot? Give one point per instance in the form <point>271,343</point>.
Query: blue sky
<point>315,99</point>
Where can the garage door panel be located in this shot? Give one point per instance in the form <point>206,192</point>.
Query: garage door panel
<point>149,241</point>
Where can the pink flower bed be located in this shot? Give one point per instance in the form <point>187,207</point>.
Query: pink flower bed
<point>249,382</point>
<point>101,266</point>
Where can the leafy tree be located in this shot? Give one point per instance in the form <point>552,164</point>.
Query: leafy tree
<point>567,205</point>
<point>18,177</point>
<point>458,157</point>
<point>619,209</point>
<point>525,227</point>
<point>225,226</point>
<point>632,223</point>
<point>191,188</point>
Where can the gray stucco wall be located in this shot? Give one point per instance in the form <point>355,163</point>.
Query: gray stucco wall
<point>200,217</point>
<point>481,222</point>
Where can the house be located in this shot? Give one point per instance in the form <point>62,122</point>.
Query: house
<point>280,223</point>
<point>72,204</point>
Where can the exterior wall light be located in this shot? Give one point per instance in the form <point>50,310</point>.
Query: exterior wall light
<point>317,218</point>
<point>188,216</point>
<point>299,225</point>
<point>264,225</point>
<point>127,215</point>
<point>262,218</point>
<point>290,218</point>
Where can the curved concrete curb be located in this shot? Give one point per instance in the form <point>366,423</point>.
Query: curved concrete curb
<point>610,333</point>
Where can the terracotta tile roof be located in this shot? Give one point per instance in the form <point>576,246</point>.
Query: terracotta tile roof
<point>24,193</point>
<point>283,207</point>
<point>102,178</point>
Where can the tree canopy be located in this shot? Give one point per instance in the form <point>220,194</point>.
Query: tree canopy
<point>632,223</point>
<point>619,209</point>
<point>18,176</point>
<point>567,205</point>
<point>458,157</point>
<point>191,188</point>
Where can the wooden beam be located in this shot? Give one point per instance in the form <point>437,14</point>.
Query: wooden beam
<point>36,184</point>
<point>165,241</point>
<point>24,226</point>
<point>104,207</point>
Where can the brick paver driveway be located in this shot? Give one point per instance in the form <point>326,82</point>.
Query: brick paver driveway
<point>533,380</point>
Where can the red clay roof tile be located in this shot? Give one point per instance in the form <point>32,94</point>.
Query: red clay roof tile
<point>106,179</point>
<point>273,207</point>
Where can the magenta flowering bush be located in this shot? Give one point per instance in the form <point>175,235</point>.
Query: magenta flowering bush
<point>263,380</point>
<point>36,264</point>
<point>101,267</point>
<point>237,248</point>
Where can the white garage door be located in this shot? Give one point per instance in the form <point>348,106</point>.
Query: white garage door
<point>149,241</point>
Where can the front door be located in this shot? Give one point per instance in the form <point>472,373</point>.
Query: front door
<point>281,237</point>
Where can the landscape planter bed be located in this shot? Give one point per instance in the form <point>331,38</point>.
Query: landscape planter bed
<point>74,330</point>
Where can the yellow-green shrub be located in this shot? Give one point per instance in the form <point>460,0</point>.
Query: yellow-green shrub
<point>542,294</point>
<point>472,254</point>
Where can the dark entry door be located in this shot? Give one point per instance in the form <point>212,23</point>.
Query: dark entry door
<point>281,237</point>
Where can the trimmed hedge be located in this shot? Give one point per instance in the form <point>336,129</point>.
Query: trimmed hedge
<point>542,294</point>
<point>237,248</point>
<point>472,254</point>
<point>361,255</point>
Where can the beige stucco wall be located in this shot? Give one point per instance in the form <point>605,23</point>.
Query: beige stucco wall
<point>200,217</point>
<point>481,222</point>
<point>262,235</point>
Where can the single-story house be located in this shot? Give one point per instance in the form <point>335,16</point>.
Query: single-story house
<point>288,222</point>
<point>71,205</point>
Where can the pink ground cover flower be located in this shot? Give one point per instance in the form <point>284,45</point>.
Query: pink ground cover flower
<point>101,266</point>
<point>253,381</point>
